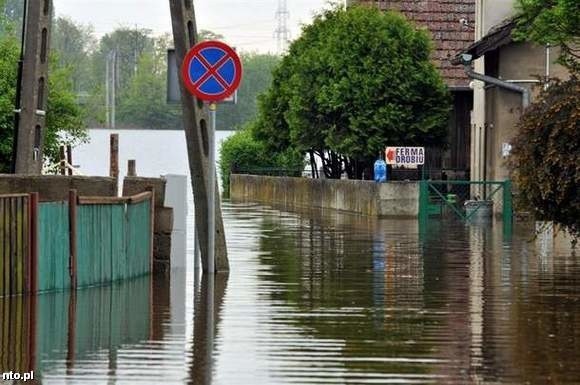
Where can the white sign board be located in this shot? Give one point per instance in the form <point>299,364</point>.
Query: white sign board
<point>405,156</point>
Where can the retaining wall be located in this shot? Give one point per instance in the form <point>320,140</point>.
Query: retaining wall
<point>393,199</point>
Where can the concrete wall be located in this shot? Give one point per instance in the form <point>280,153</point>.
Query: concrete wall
<point>56,187</point>
<point>394,199</point>
<point>517,61</point>
<point>495,111</point>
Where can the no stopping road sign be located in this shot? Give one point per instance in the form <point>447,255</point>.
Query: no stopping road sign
<point>212,71</point>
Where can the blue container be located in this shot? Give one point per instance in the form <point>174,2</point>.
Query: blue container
<point>380,171</point>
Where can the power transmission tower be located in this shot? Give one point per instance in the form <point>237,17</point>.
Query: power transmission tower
<point>282,33</point>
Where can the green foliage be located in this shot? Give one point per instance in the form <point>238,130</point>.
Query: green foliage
<point>555,22</point>
<point>205,35</point>
<point>64,119</point>
<point>546,160</point>
<point>11,12</point>
<point>243,152</point>
<point>129,45</point>
<point>354,93</point>
<point>74,43</point>
<point>143,102</point>
<point>257,77</point>
<point>9,54</point>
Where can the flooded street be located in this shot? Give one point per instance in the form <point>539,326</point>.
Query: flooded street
<point>320,298</point>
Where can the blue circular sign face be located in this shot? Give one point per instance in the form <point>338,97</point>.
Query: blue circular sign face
<point>212,71</point>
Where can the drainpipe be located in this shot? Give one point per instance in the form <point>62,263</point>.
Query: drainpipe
<point>500,83</point>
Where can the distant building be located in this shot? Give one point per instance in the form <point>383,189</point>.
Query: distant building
<point>451,25</point>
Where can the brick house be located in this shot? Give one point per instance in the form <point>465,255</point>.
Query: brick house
<point>451,25</point>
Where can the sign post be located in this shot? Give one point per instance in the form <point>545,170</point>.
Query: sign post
<point>211,71</point>
<point>211,188</point>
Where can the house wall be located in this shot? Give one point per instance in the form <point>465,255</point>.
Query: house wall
<point>496,111</point>
<point>516,61</point>
<point>488,13</point>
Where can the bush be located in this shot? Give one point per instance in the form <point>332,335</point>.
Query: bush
<point>546,158</point>
<point>241,152</point>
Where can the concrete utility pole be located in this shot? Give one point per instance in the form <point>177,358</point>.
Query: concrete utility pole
<point>30,124</point>
<point>195,120</point>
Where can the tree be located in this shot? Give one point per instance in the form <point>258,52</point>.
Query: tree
<point>257,77</point>
<point>74,44</point>
<point>9,55</point>
<point>65,118</point>
<point>204,35</point>
<point>129,45</point>
<point>11,12</point>
<point>555,22</point>
<point>355,81</point>
<point>143,103</point>
<point>546,159</point>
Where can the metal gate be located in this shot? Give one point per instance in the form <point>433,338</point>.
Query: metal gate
<point>465,200</point>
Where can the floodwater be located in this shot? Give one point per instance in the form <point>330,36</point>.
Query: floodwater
<point>320,298</point>
<point>313,298</point>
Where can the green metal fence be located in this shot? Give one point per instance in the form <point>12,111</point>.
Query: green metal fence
<point>465,200</point>
<point>113,242</point>
<point>86,241</point>
<point>54,250</point>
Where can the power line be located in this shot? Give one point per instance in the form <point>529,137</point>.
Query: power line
<point>282,33</point>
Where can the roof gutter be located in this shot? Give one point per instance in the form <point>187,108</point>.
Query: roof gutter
<point>500,83</point>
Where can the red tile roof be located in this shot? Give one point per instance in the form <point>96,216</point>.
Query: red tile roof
<point>443,19</point>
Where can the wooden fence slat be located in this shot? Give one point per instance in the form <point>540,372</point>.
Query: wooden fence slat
<point>9,251</point>
<point>2,243</point>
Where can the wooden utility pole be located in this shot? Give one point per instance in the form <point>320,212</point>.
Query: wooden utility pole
<point>195,120</point>
<point>31,108</point>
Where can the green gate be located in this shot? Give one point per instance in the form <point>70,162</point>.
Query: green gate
<point>465,200</point>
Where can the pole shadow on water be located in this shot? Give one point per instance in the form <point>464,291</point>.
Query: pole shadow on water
<point>209,292</point>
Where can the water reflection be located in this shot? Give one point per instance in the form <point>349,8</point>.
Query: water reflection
<point>372,301</point>
<point>60,335</point>
<point>319,297</point>
<point>209,295</point>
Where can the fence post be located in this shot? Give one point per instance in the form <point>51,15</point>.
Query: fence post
<point>152,214</point>
<point>62,164</point>
<point>72,215</point>
<point>131,168</point>
<point>114,159</point>
<point>33,251</point>
<point>69,159</point>
<point>423,201</point>
<point>507,214</point>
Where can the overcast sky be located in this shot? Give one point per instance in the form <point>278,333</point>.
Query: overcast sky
<point>247,24</point>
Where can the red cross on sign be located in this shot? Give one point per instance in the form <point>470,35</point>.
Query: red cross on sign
<point>212,71</point>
